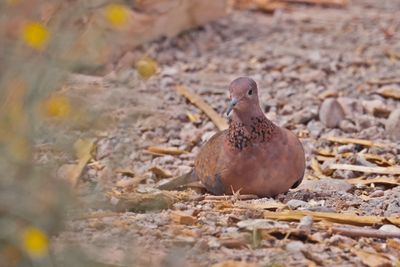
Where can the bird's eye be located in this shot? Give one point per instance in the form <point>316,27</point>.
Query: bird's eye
<point>250,92</point>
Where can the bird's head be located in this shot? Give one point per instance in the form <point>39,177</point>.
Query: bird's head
<point>244,95</point>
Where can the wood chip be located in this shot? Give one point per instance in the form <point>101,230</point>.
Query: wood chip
<point>345,140</point>
<point>125,171</point>
<point>392,170</point>
<point>166,150</point>
<point>160,172</point>
<point>208,110</point>
<point>181,217</point>
<point>390,92</point>
<point>330,217</point>
<point>371,259</point>
<point>132,183</point>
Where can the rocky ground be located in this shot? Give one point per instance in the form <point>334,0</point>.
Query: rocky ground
<point>348,59</point>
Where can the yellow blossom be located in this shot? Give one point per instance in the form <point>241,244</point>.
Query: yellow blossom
<point>35,35</point>
<point>57,107</point>
<point>35,242</point>
<point>12,2</point>
<point>146,67</point>
<point>116,14</point>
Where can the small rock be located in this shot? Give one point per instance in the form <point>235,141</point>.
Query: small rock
<point>303,116</point>
<point>331,113</point>
<point>377,193</point>
<point>348,126</point>
<point>306,222</point>
<point>345,148</point>
<point>376,108</point>
<point>390,228</point>
<point>350,106</point>
<point>392,125</point>
<point>294,204</point>
<point>182,169</point>
<point>295,246</point>
<point>327,184</point>
<point>252,224</point>
<point>315,128</point>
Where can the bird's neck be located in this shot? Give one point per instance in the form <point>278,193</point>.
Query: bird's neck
<point>249,129</point>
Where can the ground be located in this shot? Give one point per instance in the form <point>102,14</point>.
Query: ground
<point>299,58</point>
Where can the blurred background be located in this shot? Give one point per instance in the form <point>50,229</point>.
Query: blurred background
<point>90,119</point>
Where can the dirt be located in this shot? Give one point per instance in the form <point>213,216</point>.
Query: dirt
<point>298,58</point>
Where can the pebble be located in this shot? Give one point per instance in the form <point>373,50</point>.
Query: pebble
<point>392,125</point>
<point>390,228</point>
<point>331,113</point>
<point>295,246</point>
<point>306,222</point>
<point>294,204</point>
<point>327,184</point>
<point>348,126</point>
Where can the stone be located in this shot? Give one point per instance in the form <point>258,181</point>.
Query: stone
<point>331,113</point>
<point>392,125</point>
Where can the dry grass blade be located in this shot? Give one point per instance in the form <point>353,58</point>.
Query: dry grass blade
<point>336,3</point>
<point>158,150</point>
<point>331,217</point>
<point>364,232</point>
<point>208,110</point>
<point>383,81</point>
<point>366,169</point>
<point>379,180</point>
<point>83,150</point>
<point>345,140</point>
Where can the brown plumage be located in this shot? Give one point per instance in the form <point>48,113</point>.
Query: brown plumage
<point>253,156</point>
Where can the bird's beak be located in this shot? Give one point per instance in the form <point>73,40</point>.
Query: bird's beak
<point>231,105</point>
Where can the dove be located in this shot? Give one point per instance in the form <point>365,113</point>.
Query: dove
<point>253,156</point>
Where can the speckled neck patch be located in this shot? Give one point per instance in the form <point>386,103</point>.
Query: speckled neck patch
<point>261,130</point>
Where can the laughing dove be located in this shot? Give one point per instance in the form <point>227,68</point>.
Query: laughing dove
<point>253,156</point>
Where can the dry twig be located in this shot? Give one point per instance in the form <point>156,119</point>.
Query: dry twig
<point>207,109</point>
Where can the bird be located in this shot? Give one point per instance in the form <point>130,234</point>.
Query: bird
<point>253,156</point>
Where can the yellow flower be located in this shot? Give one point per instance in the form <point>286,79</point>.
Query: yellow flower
<point>57,107</point>
<point>35,35</point>
<point>13,2</point>
<point>35,242</point>
<point>116,14</point>
<point>146,67</point>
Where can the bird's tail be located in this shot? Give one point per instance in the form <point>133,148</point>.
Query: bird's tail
<point>178,182</point>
